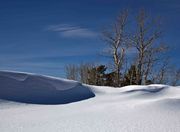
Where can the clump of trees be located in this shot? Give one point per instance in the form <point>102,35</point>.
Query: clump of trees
<point>87,73</point>
<point>149,63</point>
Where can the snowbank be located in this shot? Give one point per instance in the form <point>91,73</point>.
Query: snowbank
<point>38,89</point>
<point>152,108</point>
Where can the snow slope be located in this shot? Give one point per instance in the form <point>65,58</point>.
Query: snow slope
<point>38,89</point>
<point>153,108</point>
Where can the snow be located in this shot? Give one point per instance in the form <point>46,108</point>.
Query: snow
<point>152,108</point>
<point>38,89</point>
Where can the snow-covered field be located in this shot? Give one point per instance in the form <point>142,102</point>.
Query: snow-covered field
<point>36,103</point>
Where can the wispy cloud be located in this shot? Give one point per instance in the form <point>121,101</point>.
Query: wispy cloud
<point>71,31</point>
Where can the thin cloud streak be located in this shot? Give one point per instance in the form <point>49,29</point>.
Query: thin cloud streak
<point>70,31</point>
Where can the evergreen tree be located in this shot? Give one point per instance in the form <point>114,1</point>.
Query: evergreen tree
<point>96,75</point>
<point>131,76</point>
<point>110,79</point>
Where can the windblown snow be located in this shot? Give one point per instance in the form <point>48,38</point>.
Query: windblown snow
<point>34,103</point>
<point>38,89</point>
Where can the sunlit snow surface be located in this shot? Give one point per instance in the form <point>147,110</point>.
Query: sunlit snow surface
<point>153,108</point>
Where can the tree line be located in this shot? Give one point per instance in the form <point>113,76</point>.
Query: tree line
<point>148,64</point>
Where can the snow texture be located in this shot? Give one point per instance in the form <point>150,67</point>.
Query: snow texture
<point>152,108</point>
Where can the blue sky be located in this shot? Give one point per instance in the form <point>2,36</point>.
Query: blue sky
<point>42,36</point>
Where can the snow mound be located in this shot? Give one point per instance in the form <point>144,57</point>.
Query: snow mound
<point>155,95</point>
<point>151,91</point>
<point>151,108</point>
<point>131,89</point>
<point>39,89</point>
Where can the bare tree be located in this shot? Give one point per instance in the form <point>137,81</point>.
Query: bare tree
<point>72,72</point>
<point>175,77</point>
<point>79,72</point>
<point>146,43</point>
<point>83,72</point>
<point>161,76</point>
<point>115,38</point>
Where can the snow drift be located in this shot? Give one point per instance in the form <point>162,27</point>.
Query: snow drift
<point>38,89</point>
<point>152,108</point>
